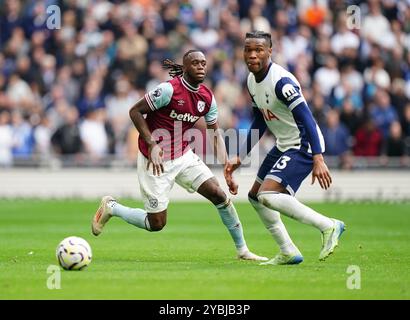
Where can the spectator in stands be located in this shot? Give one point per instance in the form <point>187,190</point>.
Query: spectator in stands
<point>54,96</point>
<point>19,93</point>
<point>336,135</point>
<point>319,109</point>
<point>133,47</point>
<point>315,14</point>
<point>203,36</point>
<point>69,85</point>
<point>94,135</point>
<point>92,98</point>
<point>294,45</point>
<point>118,106</point>
<point>4,99</point>
<point>344,43</point>
<point>25,70</point>
<point>158,50</point>
<point>376,27</point>
<point>42,137</point>
<point>11,19</point>
<point>48,70</point>
<point>255,19</point>
<point>66,140</point>
<point>376,77</point>
<point>383,113</point>
<point>398,96</point>
<point>327,76</point>
<point>368,140</point>
<point>350,117</point>
<point>242,110</point>
<point>350,88</point>
<point>23,140</point>
<point>405,123</point>
<point>394,145</point>
<point>6,139</point>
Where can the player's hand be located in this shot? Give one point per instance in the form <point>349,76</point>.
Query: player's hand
<point>229,168</point>
<point>321,172</point>
<point>232,185</point>
<point>155,156</point>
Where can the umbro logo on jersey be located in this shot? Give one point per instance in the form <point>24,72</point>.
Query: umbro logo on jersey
<point>181,102</point>
<point>183,117</point>
<point>289,92</point>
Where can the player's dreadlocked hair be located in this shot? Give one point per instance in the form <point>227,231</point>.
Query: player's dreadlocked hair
<point>260,35</point>
<point>175,69</point>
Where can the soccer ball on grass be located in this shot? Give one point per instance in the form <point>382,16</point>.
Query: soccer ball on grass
<point>74,253</point>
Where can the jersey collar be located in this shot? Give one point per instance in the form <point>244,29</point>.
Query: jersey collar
<point>188,86</point>
<point>267,71</point>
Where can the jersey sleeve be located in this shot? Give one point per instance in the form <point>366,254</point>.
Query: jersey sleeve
<point>289,93</point>
<point>212,116</point>
<point>160,96</point>
<point>303,115</point>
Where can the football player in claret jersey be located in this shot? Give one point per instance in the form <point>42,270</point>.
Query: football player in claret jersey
<point>165,157</point>
<point>279,106</point>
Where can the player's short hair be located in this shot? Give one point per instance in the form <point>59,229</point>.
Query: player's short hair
<point>189,52</point>
<point>260,35</point>
<point>175,69</point>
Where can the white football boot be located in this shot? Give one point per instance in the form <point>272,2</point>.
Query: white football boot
<point>330,238</point>
<point>283,259</point>
<point>247,255</point>
<point>101,217</point>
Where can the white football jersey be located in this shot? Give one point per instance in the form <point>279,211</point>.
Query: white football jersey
<point>276,96</point>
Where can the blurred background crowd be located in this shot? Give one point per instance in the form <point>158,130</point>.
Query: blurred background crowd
<point>68,91</point>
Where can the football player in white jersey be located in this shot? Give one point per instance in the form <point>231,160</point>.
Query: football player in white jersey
<point>279,105</point>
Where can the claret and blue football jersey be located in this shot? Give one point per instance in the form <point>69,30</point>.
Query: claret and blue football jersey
<point>178,106</point>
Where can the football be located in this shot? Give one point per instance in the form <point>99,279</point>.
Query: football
<point>73,253</point>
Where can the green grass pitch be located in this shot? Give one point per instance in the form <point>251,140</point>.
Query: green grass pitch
<point>194,257</point>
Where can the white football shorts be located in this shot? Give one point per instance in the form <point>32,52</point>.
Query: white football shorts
<point>189,171</point>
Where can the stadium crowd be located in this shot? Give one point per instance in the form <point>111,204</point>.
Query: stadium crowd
<point>68,91</point>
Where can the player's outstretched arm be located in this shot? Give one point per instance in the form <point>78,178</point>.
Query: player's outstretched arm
<point>155,152</point>
<point>220,151</point>
<point>258,128</point>
<point>289,93</point>
<point>320,170</point>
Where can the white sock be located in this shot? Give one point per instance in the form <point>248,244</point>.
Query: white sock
<point>231,221</point>
<point>272,221</point>
<point>292,208</point>
<point>134,216</point>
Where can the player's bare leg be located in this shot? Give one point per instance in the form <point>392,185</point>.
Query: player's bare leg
<point>289,253</point>
<point>274,196</point>
<point>211,190</point>
<point>157,220</point>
